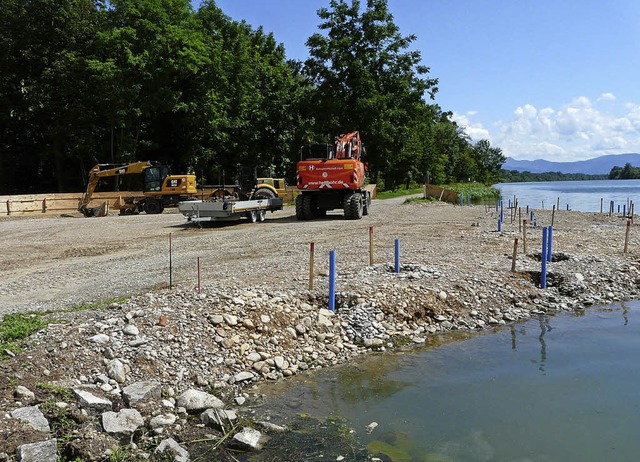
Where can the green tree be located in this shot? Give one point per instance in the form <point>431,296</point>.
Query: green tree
<point>252,97</point>
<point>151,56</point>
<point>488,160</point>
<point>47,111</point>
<point>367,79</point>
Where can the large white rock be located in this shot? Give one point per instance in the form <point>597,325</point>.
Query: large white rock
<point>43,451</point>
<point>250,438</point>
<point>196,400</point>
<point>92,402</point>
<point>33,416</point>
<point>123,423</point>
<point>172,448</point>
<point>141,391</point>
<point>116,371</point>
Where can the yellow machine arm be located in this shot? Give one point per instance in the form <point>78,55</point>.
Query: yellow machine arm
<point>101,171</point>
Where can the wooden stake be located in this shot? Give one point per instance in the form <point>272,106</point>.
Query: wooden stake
<point>626,236</point>
<point>515,254</point>
<point>524,236</point>
<point>553,214</point>
<point>312,251</point>
<point>370,245</point>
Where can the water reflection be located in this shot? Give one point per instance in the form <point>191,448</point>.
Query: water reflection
<point>480,399</point>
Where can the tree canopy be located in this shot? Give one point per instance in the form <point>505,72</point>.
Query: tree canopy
<point>88,81</point>
<point>628,172</point>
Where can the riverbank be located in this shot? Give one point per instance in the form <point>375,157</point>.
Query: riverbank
<point>255,320</point>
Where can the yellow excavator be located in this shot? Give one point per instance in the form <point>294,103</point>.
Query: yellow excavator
<point>160,188</point>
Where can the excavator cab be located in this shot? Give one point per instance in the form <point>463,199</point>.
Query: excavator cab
<point>317,151</point>
<point>154,176</point>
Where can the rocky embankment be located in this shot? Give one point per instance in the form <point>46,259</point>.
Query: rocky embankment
<point>150,375</point>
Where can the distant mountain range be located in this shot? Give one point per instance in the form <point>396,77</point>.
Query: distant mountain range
<point>598,166</point>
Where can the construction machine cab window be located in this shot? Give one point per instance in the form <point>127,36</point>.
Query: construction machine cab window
<point>317,151</point>
<point>154,176</point>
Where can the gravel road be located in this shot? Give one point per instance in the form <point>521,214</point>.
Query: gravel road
<point>57,262</point>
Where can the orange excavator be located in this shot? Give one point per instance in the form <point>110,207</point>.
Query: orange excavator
<point>332,177</point>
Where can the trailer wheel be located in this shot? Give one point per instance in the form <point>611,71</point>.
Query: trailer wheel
<point>262,214</point>
<point>152,206</point>
<point>264,193</point>
<point>252,216</point>
<point>354,206</point>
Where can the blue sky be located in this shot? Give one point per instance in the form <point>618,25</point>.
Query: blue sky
<point>555,80</point>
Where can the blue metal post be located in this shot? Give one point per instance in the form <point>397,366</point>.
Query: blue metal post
<point>397,254</point>
<point>499,225</point>
<point>624,210</point>
<point>550,244</point>
<point>469,199</point>
<point>332,280</point>
<point>527,209</point>
<point>461,195</point>
<point>543,272</point>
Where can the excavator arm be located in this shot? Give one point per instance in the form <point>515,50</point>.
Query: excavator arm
<point>349,146</point>
<point>107,170</point>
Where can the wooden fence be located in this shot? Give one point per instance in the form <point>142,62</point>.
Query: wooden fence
<point>60,203</point>
<point>442,194</point>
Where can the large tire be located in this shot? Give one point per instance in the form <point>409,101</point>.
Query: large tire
<point>354,206</point>
<point>299,211</point>
<point>367,204</point>
<point>346,206</point>
<point>308,207</point>
<point>153,206</point>
<point>262,215</point>
<point>263,193</point>
<point>252,216</point>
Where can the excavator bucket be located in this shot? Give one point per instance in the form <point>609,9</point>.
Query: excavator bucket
<point>100,211</point>
<point>103,210</point>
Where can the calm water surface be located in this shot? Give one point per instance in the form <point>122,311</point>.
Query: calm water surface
<point>557,388</point>
<point>583,196</point>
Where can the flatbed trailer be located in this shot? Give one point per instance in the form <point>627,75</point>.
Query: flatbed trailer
<point>198,211</point>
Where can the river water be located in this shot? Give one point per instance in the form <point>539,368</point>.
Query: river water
<point>556,388</point>
<point>583,196</point>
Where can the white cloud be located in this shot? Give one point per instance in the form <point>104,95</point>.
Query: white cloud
<point>475,130</point>
<point>606,97</point>
<point>580,129</point>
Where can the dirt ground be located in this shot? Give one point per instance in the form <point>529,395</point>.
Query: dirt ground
<point>58,262</point>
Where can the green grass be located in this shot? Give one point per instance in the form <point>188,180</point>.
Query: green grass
<point>400,192</point>
<point>478,191</point>
<point>17,327</point>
